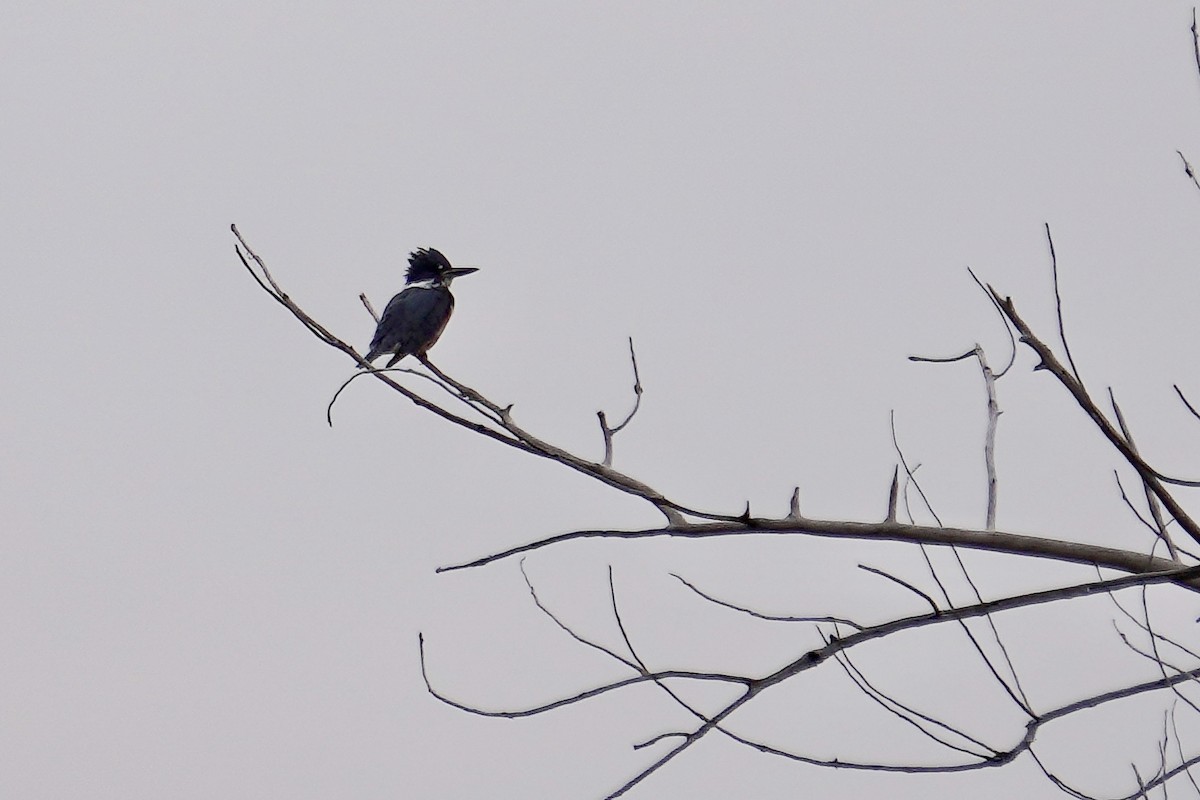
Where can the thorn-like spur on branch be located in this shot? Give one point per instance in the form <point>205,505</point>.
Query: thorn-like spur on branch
<point>1195,40</point>
<point>1187,168</point>
<point>794,506</point>
<point>910,473</point>
<point>893,496</point>
<point>653,740</point>
<point>601,472</point>
<point>511,434</point>
<point>1072,384</point>
<point>609,432</point>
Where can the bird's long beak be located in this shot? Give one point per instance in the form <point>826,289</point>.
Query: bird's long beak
<point>458,272</point>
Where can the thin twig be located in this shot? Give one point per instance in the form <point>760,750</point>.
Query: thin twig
<point>911,471</point>
<point>911,715</point>
<point>760,615</point>
<point>612,593</point>
<point>609,432</point>
<point>816,657</point>
<point>566,701</point>
<point>1152,503</point>
<point>444,387</point>
<point>367,305</point>
<point>1012,341</point>
<point>1179,750</point>
<point>1157,654</point>
<point>1154,636</point>
<point>1015,691</point>
<point>933,605</point>
<point>1182,397</point>
<point>1133,509</point>
<point>569,631</point>
<point>1062,331</point>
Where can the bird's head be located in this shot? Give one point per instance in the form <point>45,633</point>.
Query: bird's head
<point>429,266</point>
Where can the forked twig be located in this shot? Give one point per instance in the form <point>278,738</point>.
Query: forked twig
<point>609,432</point>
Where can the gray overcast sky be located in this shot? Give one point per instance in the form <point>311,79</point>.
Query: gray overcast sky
<point>206,592</point>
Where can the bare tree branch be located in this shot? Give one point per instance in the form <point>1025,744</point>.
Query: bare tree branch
<point>516,437</point>
<point>1071,383</point>
<point>996,541</point>
<point>683,522</point>
<point>816,657</point>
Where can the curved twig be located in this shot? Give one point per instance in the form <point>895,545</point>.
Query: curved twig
<point>1062,331</point>
<point>763,616</point>
<point>932,604</point>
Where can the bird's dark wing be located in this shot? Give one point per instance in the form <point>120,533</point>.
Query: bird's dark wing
<point>411,322</point>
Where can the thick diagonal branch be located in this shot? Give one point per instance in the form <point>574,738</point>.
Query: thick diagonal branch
<point>1050,363</point>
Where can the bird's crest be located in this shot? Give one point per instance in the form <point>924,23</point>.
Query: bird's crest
<point>424,264</point>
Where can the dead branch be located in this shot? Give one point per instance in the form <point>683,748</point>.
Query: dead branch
<point>498,425</point>
<point>1049,362</point>
<point>995,541</point>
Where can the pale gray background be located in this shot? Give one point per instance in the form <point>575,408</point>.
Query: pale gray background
<point>205,592</point>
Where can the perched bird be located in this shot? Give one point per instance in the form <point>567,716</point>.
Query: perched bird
<point>415,318</point>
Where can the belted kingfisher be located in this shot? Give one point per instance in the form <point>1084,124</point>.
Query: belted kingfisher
<point>414,319</point>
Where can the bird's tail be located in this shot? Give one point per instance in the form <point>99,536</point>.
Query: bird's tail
<point>371,356</point>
